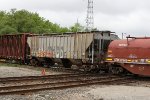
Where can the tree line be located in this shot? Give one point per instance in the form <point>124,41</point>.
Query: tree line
<point>23,21</point>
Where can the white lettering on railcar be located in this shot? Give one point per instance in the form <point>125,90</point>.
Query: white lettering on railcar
<point>131,66</point>
<point>110,55</point>
<point>122,45</point>
<point>132,56</point>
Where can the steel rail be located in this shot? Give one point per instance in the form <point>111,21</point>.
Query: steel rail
<point>56,85</point>
<point>46,77</point>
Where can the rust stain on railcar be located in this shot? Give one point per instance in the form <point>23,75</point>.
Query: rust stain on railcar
<point>13,46</point>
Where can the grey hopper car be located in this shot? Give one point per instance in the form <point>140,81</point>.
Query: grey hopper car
<point>82,48</point>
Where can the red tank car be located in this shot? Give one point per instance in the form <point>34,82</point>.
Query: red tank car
<point>133,54</point>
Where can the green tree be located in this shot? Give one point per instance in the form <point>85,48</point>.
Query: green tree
<point>23,21</point>
<point>77,28</point>
<point>8,30</point>
<point>3,20</point>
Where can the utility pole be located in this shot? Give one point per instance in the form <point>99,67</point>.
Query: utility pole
<point>123,35</point>
<point>90,18</point>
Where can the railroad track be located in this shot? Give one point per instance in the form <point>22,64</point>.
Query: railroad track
<point>45,77</point>
<point>61,84</point>
<point>10,81</point>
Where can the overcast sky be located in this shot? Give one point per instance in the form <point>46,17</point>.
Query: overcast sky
<point>121,16</point>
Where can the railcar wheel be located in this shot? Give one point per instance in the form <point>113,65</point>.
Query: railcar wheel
<point>115,70</point>
<point>48,62</point>
<point>34,62</point>
<point>66,63</point>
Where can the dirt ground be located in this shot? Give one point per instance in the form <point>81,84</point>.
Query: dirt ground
<point>6,71</point>
<point>95,92</point>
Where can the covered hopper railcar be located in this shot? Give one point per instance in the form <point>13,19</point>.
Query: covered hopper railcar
<point>132,54</point>
<point>86,49</point>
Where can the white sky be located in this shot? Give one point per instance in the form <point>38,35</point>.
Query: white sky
<point>120,16</point>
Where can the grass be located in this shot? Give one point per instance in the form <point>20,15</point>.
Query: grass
<point>11,65</point>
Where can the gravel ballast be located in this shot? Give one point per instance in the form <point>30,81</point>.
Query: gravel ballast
<point>88,93</point>
<point>95,92</point>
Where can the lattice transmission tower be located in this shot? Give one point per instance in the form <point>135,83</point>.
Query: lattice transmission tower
<point>90,18</point>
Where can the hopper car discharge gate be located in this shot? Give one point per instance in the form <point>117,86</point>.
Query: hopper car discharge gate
<point>86,49</point>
